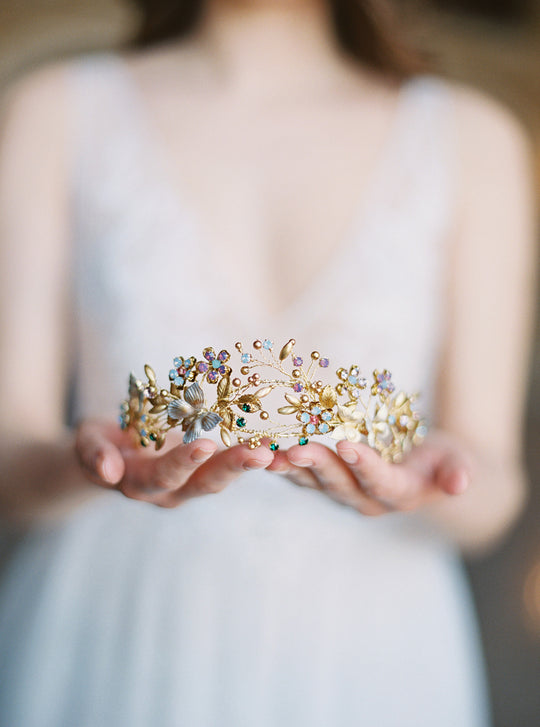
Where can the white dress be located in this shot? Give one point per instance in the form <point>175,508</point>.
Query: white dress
<point>267,605</point>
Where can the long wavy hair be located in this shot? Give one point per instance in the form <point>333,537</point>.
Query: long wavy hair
<point>368,30</point>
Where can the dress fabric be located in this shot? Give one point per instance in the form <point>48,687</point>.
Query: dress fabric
<point>268,604</point>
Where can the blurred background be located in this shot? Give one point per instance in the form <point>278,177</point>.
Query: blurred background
<point>493,45</point>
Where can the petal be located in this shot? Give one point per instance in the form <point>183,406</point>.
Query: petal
<point>352,433</point>
<point>193,431</point>
<point>210,420</point>
<point>179,409</point>
<point>194,395</point>
<point>339,432</point>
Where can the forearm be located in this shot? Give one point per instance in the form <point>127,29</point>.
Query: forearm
<point>477,519</point>
<point>41,479</point>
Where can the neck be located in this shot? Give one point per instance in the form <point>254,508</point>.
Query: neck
<point>258,46</point>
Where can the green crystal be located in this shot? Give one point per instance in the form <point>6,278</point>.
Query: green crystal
<point>274,446</point>
<point>303,440</point>
<point>246,407</point>
<point>144,442</point>
<point>240,422</point>
<point>153,437</point>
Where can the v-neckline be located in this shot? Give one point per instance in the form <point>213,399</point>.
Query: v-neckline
<point>306,301</point>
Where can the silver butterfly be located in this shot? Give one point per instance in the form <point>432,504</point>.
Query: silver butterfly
<point>192,413</point>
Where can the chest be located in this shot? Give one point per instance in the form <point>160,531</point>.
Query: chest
<point>204,238</point>
<point>273,192</point>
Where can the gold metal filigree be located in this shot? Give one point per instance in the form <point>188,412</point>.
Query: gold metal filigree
<point>308,406</point>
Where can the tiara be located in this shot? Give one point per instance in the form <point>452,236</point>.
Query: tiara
<point>204,393</point>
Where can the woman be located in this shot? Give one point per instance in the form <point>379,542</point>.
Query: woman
<point>195,193</point>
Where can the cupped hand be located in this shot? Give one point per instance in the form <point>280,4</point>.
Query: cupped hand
<point>357,475</point>
<point>109,458</point>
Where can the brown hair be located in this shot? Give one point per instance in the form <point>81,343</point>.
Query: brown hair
<point>366,29</point>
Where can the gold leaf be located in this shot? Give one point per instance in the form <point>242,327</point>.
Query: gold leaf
<point>328,397</point>
<point>160,441</point>
<point>285,351</point>
<point>158,408</point>
<point>224,388</point>
<point>287,410</point>
<point>225,437</point>
<point>149,371</point>
<point>400,399</point>
<point>263,392</point>
<point>293,400</point>
<point>251,400</point>
<point>227,416</point>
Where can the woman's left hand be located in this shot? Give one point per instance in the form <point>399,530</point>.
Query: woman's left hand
<point>357,475</point>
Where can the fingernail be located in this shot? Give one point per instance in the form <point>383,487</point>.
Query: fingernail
<point>201,455</point>
<point>303,462</point>
<point>253,464</point>
<point>462,484</point>
<point>102,467</point>
<point>107,474</point>
<point>349,456</point>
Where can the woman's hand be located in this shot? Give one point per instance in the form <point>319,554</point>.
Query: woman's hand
<point>167,478</point>
<point>359,477</point>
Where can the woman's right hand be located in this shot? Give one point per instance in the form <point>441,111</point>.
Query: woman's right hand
<point>109,458</point>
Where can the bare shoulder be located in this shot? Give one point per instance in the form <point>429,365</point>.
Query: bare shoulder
<point>39,94</point>
<point>35,108</point>
<point>491,138</point>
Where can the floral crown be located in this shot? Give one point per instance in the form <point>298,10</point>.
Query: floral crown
<point>352,408</point>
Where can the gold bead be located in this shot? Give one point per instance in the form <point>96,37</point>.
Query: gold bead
<point>318,384</point>
<point>315,355</point>
<point>257,344</point>
<point>252,445</point>
<point>296,373</point>
<point>164,392</point>
<point>304,398</point>
<point>238,346</point>
<point>244,370</point>
<point>236,382</point>
<point>264,415</point>
<point>240,440</point>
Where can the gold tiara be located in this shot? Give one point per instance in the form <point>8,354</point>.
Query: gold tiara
<point>351,409</point>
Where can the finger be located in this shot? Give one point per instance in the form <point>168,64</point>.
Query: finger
<point>301,476</point>
<point>452,476</point>
<point>166,472</point>
<point>387,483</point>
<point>98,454</point>
<point>222,469</point>
<point>334,476</point>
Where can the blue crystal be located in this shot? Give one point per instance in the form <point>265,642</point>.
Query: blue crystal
<point>304,417</point>
<point>326,415</point>
<point>315,409</point>
<point>323,428</point>
<point>353,380</point>
<point>246,358</point>
<point>143,432</point>
<point>179,381</point>
<point>143,418</point>
<point>268,344</point>
<point>172,374</point>
<point>391,419</point>
<point>216,363</point>
<point>310,428</point>
<point>178,362</point>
